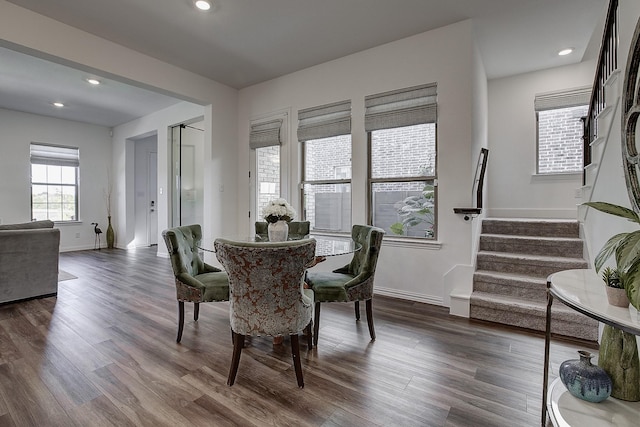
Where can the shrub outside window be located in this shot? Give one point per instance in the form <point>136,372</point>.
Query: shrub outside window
<point>403,180</point>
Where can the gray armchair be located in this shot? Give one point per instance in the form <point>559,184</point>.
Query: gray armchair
<point>196,281</point>
<point>267,295</point>
<point>354,281</point>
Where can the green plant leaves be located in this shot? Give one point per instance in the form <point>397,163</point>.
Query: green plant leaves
<point>614,210</point>
<point>607,250</point>
<point>625,247</point>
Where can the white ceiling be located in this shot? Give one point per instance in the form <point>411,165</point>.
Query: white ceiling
<point>244,42</point>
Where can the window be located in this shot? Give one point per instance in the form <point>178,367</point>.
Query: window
<point>401,128</point>
<point>265,138</point>
<point>54,182</point>
<point>560,130</point>
<point>325,133</point>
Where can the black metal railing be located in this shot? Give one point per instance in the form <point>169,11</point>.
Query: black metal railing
<point>607,64</point>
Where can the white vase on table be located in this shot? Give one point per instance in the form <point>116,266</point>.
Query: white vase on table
<point>278,231</point>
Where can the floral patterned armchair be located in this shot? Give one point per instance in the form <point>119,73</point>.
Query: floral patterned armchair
<point>196,281</point>
<point>267,296</point>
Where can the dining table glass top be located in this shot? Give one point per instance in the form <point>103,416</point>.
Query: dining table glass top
<point>326,246</point>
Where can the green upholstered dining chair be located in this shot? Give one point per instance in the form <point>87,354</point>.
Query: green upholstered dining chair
<point>354,281</point>
<point>297,229</point>
<point>267,294</point>
<point>196,281</point>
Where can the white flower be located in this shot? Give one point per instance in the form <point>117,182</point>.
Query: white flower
<point>278,209</point>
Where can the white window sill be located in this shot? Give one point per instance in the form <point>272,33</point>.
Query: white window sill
<point>564,176</point>
<point>65,223</point>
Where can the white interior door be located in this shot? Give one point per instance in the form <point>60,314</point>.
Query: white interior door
<point>152,199</point>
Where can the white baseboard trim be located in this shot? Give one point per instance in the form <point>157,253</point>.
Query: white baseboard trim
<point>76,248</point>
<point>411,296</point>
<point>460,304</point>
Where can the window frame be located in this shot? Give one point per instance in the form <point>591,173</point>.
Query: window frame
<point>423,178</point>
<point>47,155</point>
<point>557,100</point>
<point>304,181</point>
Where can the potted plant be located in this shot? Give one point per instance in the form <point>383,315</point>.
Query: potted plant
<point>616,293</point>
<point>625,247</point>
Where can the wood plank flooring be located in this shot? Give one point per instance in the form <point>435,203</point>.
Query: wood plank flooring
<point>103,353</point>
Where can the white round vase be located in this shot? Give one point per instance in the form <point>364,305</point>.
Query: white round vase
<point>278,231</point>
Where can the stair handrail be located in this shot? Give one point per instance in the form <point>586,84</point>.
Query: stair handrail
<point>607,64</point>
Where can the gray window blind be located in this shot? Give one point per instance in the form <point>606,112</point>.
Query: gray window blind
<point>324,121</point>
<point>265,134</point>
<point>562,99</point>
<point>403,107</point>
<point>56,155</point>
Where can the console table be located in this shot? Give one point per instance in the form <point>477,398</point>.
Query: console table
<point>583,291</point>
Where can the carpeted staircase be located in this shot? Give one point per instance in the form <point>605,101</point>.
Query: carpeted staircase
<point>515,256</point>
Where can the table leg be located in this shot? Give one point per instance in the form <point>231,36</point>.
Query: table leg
<point>547,343</point>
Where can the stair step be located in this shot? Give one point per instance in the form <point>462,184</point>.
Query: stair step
<point>509,284</point>
<point>532,315</point>
<point>533,265</point>
<point>570,247</point>
<point>531,227</point>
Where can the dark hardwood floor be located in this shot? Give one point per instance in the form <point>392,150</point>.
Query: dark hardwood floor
<point>103,353</point>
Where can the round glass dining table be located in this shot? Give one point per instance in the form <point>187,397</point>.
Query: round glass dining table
<point>326,246</point>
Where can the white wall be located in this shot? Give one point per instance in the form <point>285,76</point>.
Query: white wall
<point>610,185</point>
<point>94,144</point>
<point>444,56</point>
<point>124,137</point>
<point>514,190</point>
<point>79,49</point>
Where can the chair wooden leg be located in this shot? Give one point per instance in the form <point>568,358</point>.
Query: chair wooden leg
<point>196,311</point>
<point>309,334</point>
<point>180,320</point>
<point>316,324</point>
<point>372,331</point>
<point>295,353</point>
<point>238,343</point>
<point>357,308</point>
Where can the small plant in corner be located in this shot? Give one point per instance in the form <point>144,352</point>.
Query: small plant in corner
<point>625,248</point>
<point>611,277</point>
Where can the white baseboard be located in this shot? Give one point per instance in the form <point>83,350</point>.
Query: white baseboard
<point>411,296</point>
<point>460,304</point>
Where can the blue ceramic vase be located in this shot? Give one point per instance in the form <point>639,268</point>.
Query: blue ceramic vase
<point>585,380</point>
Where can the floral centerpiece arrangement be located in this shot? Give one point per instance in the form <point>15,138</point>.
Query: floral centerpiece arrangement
<point>278,210</point>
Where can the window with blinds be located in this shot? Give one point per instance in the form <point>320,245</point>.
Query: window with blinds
<point>401,128</point>
<point>54,182</point>
<point>265,138</point>
<point>325,134</point>
<point>560,129</point>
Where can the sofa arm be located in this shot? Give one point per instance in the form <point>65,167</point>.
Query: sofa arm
<point>28,263</point>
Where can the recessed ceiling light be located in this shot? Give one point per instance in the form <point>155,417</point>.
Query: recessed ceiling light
<point>93,82</point>
<point>564,52</point>
<point>203,4</point>
<point>58,104</point>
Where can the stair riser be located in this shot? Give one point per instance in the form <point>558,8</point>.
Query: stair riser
<point>526,267</point>
<point>579,327</point>
<point>522,228</point>
<point>538,294</point>
<point>532,247</point>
